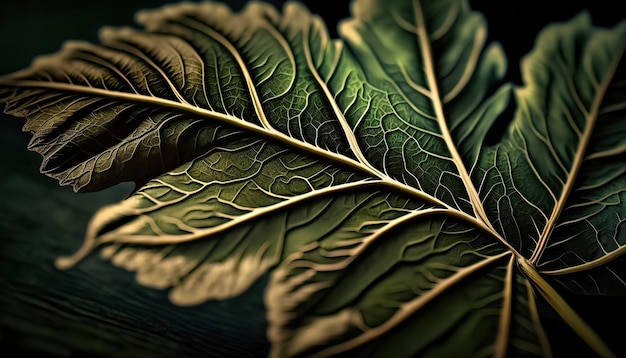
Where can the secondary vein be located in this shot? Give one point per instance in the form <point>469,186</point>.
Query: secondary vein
<point>579,158</point>
<point>424,44</point>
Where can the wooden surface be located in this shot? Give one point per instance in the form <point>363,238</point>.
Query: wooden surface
<point>95,308</point>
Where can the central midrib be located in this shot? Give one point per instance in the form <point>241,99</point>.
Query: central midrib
<point>424,45</point>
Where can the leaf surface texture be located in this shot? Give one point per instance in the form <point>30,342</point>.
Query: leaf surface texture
<point>356,169</point>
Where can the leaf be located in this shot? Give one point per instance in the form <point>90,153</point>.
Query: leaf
<point>566,145</point>
<point>355,169</point>
<point>442,273</point>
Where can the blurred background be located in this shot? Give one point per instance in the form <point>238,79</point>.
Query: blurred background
<point>99,310</point>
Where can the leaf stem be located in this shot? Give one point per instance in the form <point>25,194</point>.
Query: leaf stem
<point>504,331</point>
<point>565,311</point>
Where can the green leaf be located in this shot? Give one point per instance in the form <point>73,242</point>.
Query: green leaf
<point>561,163</point>
<point>446,280</point>
<point>356,169</point>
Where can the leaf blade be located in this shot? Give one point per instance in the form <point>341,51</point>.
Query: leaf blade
<point>315,284</point>
<point>365,139</point>
<point>559,182</point>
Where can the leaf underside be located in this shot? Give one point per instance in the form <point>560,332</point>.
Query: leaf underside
<point>354,168</point>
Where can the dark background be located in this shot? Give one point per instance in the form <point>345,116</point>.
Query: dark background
<point>99,308</point>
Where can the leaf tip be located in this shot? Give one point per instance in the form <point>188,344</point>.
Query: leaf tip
<point>147,16</point>
<point>64,263</point>
<point>496,55</point>
<point>108,34</point>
